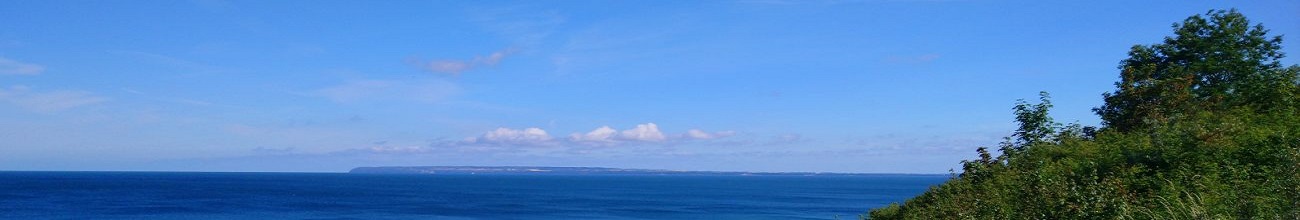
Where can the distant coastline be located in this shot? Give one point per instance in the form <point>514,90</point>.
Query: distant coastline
<point>545,170</point>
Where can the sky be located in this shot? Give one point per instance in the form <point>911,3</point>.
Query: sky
<point>764,85</point>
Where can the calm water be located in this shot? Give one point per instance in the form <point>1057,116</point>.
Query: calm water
<point>137,195</point>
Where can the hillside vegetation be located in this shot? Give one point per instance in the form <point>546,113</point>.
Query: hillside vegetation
<point>1203,125</point>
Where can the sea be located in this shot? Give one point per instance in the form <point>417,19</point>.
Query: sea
<point>208,195</point>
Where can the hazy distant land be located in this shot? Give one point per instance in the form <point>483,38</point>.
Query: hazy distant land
<point>573,171</point>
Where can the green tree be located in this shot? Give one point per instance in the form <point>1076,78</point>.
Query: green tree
<point>1210,64</point>
<point>1202,126</point>
<point>1036,125</point>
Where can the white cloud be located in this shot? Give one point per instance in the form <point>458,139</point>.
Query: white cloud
<point>46,102</point>
<point>12,67</point>
<point>536,141</point>
<point>697,134</point>
<point>643,132</point>
<point>647,133</point>
<point>603,134</point>
<point>527,136</point>
<point>455,67</point>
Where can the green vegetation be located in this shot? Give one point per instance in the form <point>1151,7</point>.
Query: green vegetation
<point>1202,126</point>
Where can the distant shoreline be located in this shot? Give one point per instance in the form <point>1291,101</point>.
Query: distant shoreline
<point>626,172</point>
<point>548,170</point>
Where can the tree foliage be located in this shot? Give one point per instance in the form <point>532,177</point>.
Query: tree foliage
<point>1210,64</point>
<point>1202,126</point>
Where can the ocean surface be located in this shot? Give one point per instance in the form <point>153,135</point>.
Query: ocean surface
<point>184,195</point>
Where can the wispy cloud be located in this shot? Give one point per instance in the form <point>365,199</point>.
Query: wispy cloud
<point>46,102</point>
<point>829,2</point>
<point>155,97</point>
<point>398,150</point>
<point>13,67</point>
<point>935,144</point>
<point>917,59</point>
<point>299,136</point>
<point>456,67</point>
<point>787,139</point>
<point>184,66</point>
<point>272,150</point>
<point>526,26</point>
<point>615,42</point>
<point>697,134</point>
<point>362,90</point>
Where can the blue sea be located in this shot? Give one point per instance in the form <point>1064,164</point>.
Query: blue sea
<point>187,195</point>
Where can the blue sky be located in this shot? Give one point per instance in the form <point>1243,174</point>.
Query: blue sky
<point>833,86</point>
